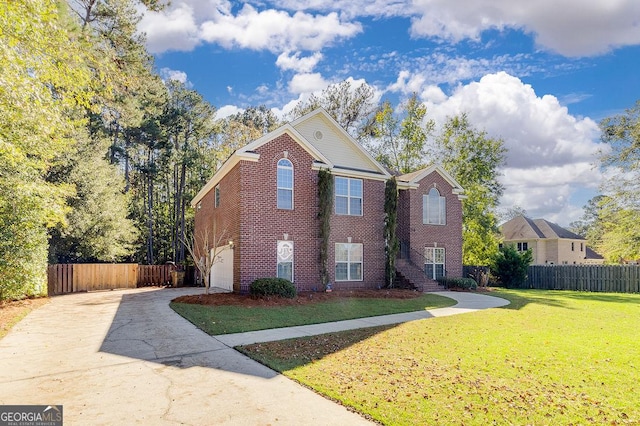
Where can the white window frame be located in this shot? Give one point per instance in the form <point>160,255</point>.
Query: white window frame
<point>349,196</point>
<point>284,255</point>
<point>281,166</point>
<point>523,246</point>
<point>434,257</point>
<point>433,218</point>
<point>349,261</point>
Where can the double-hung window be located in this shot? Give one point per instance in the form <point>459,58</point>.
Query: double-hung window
<point>348,262</point>
<point>434,208</point>
<point>348,196</point>
<point>434,262</point>
<point>285,184</point>
<point>285,260</point>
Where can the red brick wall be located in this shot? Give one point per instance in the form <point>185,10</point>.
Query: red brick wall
<point>264,224</point>
<point>420,235</point>
<point>248,211</point>
<point>367,229</point>
<point>226,216</point>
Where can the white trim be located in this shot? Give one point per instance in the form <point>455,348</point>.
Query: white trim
<point>413,183</point>
<point>231,162</point>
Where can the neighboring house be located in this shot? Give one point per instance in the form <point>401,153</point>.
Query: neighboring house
<point>264,199</point>
<point>549,243</point>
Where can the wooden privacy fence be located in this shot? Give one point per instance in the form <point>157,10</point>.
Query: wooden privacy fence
<point>72,278</point>
<point>604,278</point>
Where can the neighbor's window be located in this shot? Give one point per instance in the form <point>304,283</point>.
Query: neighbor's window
<point>434,208</point>
<point>285,260</point>
<point>523,246</point>
<point>285,184</point>
<point>348,262</point>
<point>348,196</point>
<point>216,201</point>
<point>434,262</point>
<point>573,246</point>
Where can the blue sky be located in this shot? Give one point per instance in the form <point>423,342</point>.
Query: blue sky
<point>539,75</point>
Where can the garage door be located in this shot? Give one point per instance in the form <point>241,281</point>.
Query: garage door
<point>222,270</point>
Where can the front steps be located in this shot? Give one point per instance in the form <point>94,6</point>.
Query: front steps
<point>410,276</point>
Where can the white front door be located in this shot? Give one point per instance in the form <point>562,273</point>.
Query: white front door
<point>222,270</point>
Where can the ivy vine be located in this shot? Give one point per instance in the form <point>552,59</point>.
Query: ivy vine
<point>325,208</point>
<point>390,224</point>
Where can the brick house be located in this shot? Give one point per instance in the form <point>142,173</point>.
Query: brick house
<point>263,205</point>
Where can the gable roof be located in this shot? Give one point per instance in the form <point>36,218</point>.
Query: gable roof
<point>523,228</point>
<point>412,180</point>
<point>322,137</point>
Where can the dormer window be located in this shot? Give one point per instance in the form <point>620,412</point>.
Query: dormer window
<point>285,184</point>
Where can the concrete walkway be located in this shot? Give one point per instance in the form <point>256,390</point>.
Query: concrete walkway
<point>467,302</point>
<point>124,357</point>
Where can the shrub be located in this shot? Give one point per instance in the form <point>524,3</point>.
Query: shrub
<point>273,287</point>
<point>510,267</point>
<point>463,283</point>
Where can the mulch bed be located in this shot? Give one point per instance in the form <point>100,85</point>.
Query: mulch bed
<point>303,298</point>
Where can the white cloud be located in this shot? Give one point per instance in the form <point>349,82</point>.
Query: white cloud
<point>276,30</point>
<point>173,29</point>
<point>550,152</point>
<point>569,27</point>
<point>226,111</point>
<point>169,74</point>
<point>188,23</point>
<point>307,83</point>
<point>289,61</point>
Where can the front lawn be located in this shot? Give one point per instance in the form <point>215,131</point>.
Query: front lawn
<point>238,318</point>
<point>549,358</point>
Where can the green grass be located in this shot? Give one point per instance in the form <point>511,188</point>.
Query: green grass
<point>549,358</point>
<point>235,319</point>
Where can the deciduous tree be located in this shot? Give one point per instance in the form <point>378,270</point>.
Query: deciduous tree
<point>473,159</point>
<point>44,85</point>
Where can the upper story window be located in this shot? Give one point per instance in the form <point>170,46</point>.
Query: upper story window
<point>348,196</point>
<point>523,246</point>
<point>434,208</point>
<point>573,246</point>
<point>285,184</point>
<point>216,201</point>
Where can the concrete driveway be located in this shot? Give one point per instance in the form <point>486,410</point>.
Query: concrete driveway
<point>124,357</point>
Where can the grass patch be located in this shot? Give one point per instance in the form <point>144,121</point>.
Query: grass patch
<point>235,319</point>
<point>551,357</point>
<point>13,312</point>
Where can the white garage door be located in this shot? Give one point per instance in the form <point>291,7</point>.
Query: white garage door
<point>222,270</point>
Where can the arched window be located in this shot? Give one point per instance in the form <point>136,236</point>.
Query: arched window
<point>285,184</point>
<point>434,208</point>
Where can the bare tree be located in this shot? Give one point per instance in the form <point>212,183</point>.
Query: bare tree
<point>205,249</point>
